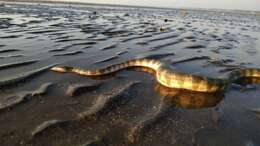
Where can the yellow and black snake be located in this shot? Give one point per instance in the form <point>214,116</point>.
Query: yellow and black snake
<point>166,76</point>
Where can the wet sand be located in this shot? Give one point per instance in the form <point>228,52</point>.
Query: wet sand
<point>43,108</point>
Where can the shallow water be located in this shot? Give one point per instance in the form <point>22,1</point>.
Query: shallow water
<point>40,107</point>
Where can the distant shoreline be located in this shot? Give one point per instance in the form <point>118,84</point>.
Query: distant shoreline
<point>130,6</point>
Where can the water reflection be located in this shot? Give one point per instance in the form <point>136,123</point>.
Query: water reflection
<point>189,99</point>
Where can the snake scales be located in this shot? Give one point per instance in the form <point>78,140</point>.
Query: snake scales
<point>168,77</point>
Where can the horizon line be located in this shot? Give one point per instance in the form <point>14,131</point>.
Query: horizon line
<point>125,5</point>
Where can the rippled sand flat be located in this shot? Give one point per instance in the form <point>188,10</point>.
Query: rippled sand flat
<point>43,108</point>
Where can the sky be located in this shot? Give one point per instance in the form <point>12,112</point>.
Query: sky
<point>219,4</point>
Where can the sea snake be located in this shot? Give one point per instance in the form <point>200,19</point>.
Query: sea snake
<point>168,77</point>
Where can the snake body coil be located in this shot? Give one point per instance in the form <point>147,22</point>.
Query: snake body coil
<point>168,77</point>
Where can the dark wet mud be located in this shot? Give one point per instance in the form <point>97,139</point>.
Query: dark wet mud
<point>39,107</point>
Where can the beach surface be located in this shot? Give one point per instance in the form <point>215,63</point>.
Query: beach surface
<point>39,107</point>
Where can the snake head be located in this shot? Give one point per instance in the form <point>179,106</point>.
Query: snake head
<point>62,69</point>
